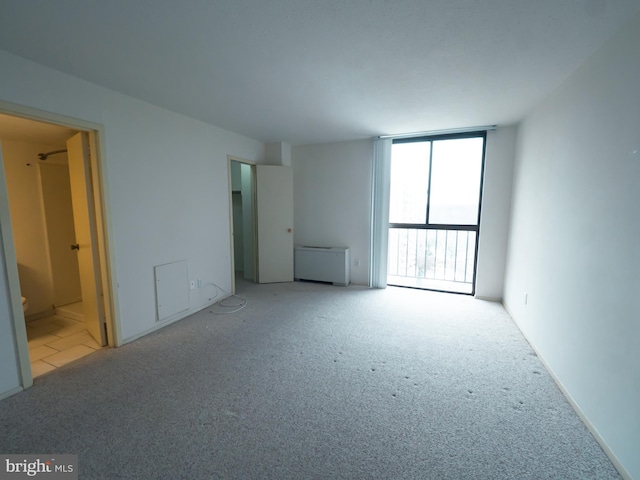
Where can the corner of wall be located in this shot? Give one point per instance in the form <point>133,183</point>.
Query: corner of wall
<point>496,201</point>
<point>278,153</point>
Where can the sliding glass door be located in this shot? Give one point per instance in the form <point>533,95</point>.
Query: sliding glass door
<point>434,212</point>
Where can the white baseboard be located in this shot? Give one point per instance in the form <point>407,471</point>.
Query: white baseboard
<point>10,393</point>
<point>171,320</point>
<point>36,316</point>
<point>69,314</point>
<point>603,444</point>
<point>488,299</point>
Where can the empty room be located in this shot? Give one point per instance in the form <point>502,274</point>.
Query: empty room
<point>362,239</point>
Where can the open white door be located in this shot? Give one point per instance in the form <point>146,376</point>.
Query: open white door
<point>274,192</point>
<point>86,244</point>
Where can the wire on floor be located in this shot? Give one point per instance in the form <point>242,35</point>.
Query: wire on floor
<point>224,308</point>
<point>227,305</point>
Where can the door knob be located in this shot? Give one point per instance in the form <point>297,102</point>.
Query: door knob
<point>75,246</point>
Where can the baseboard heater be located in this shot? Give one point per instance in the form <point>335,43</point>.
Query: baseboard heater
<point>322,264</point>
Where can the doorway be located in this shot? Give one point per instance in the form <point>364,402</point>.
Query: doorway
<point>243,222</point>
<point>434,212</point>
<point>261,214</point>
<point>50,174</point>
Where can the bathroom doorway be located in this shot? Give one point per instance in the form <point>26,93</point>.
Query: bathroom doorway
<point>50,173</point>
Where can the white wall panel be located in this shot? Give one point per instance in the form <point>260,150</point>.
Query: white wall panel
<point>573,247</point>
<point>496,204</point>
<point>332,199</point>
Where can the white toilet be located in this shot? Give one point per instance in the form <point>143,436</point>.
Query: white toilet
<point>25,304</point>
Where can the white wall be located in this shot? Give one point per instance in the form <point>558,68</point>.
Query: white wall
<point>167,177</point>
<point>573,245</point>
<point>496,202</point>
<point>278,154</point>
<point>332,199</point>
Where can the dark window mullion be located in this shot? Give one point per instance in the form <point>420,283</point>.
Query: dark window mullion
<point>444,227</point>
<point>475,254</point>
<point>429,183</point>
<point>435,226</point>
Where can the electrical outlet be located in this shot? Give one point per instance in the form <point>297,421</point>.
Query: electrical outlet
<point>193,285</point>
<point>356,263</point>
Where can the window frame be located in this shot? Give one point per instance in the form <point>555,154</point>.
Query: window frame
<point>439,226</point>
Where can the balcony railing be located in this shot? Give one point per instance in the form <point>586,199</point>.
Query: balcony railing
<point>432,259</point>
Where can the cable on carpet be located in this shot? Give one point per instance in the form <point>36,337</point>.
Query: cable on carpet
<point>222,306</point>
<point>233,308</point>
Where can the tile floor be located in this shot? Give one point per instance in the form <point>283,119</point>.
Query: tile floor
<point>57,340</point>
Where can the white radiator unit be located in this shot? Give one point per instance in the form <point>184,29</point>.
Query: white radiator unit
<point>322,264</point>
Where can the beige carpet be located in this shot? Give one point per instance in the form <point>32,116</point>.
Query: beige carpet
<point>313,381</point>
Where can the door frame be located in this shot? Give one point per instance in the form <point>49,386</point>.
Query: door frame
<point>254,222</point>
<point>106,262</point>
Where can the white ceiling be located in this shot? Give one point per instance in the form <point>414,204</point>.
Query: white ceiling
<point>314,71</point>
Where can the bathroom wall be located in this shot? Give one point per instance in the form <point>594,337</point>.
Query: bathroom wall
<point>28,222</point>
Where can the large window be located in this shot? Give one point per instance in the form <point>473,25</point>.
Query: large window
<point>434,211</point>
